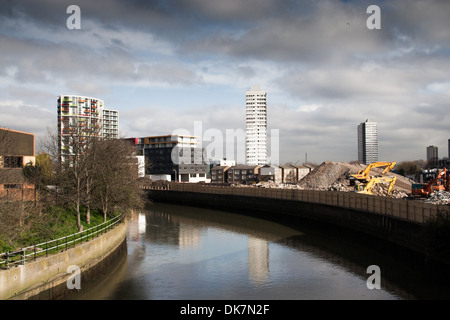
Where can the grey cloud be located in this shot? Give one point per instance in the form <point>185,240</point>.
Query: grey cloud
<point>87,88</point>
<point>49,62</point>
<point>169,72</point>
<point>32,95</point>
<point>302,36</point>
<point>19,115</point>
<point>268,29</point>
<point>426,22</point>
<point>246,71</point>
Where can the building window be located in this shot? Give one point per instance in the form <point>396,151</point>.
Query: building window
<point>11,162</point>
<point>13,186</point>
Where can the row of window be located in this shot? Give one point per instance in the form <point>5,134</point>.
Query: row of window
<point>13,186</point>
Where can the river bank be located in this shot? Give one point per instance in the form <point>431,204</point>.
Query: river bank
<point>47,277</point>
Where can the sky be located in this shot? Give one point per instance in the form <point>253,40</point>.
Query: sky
<point>165,65</point>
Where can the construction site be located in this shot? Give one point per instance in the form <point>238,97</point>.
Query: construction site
<point>376,179</point>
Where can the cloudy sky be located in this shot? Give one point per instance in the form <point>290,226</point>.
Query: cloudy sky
<point>166,64</point>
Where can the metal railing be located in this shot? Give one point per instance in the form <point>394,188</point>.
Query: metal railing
<point>31,253</point>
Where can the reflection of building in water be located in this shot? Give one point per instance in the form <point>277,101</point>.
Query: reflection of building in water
<point>258,259</point>
<point>142,223</point>
<point>137,226</point>
<point>183,232</point>
<point>190,236</point>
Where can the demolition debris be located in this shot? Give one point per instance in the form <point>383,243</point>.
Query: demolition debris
<point>333,176</point>
<point>439,197</point>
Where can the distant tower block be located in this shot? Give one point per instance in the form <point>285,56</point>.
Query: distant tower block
<point>256,126</point>
<point>368,142</point>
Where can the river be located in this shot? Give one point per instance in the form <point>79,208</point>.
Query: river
<point>179,253</point>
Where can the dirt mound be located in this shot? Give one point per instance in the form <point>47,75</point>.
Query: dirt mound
<point>329,174</point>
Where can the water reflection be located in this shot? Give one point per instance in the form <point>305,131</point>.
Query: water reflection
<point>258,260</point>
<point>177,252</point>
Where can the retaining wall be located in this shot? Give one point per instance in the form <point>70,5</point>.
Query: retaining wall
<point>46,277</point>
<point>408,210</point>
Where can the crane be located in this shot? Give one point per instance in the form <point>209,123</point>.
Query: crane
<point>363,175</point>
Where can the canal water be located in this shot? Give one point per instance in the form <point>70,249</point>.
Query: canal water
<point>186,253</point>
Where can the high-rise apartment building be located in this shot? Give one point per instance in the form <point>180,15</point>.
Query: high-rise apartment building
<point>368,142</point>
<point>432,153</point>
<point>80,118</point>
<point>256,127</point>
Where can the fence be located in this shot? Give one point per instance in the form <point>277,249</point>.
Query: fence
<point>30,253</point>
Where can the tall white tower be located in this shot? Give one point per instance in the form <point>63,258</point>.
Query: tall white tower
<point>256,127</point>
<point>368,142</point>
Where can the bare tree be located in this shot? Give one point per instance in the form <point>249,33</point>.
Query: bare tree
<point>78,163</point>
<point>50,144</point>
<point>408,168</point>
<point>117,176</point>
<point>94,172</point>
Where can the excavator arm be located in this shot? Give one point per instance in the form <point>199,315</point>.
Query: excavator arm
<point>363,175</point>
<point>391,185</point>
<point>366,188</point>
<point>389,167</point>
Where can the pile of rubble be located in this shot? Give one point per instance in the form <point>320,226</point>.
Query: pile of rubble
<point>333,176</point>
<point>439,197</point>
<point>329,176</point>
<point>382,189</point>
<point>274,185</point>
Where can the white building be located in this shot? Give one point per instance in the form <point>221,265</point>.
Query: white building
<point>368,142</point>
<point>110,124</point>
<point>256,127</point>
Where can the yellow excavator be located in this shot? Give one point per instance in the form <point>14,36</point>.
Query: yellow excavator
<point>363,175</point>
<point>366,188</point>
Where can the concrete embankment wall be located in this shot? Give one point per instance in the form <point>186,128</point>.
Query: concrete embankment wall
<point>396,220</point>
<point>408,210</point>
<point>46,277</point>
